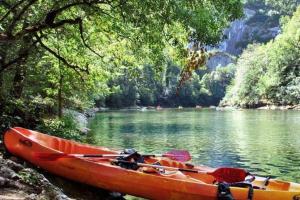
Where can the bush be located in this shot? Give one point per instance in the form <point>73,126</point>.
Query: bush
<point>65,127</point>
<point>26,113</point>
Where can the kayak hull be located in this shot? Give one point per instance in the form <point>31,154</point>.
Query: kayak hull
<point>101,173</point>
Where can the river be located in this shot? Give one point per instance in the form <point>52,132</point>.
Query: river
<point>265,142</point>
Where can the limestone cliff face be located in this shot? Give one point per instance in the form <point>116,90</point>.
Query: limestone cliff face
<point>238,31</point>
<point>255,27</point>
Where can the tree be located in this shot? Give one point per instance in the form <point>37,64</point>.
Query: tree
<point>214,84</point>
<point>275,7</point>
<point>29,26</point>
<point>97,39</point>
<point>269,74</point>
<point>283,7</point>
<point>147,21</point>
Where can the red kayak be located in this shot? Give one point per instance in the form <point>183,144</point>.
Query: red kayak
<point>151,177</point>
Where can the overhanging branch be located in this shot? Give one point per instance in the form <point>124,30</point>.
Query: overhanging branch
<point>40,27</point>
<point>17,59</point>
<point>11,9</point>
<point>84,41</point>
<point>18,16</point>
<point>62,59</point>
<point>49,21</point>
<point>52,14</point>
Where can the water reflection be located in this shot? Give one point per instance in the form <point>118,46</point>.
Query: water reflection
<point>265,142</point>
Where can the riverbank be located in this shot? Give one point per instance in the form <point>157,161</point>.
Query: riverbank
<point>274,107</point>
<point>21,181</point>
<point>218,108</point>
<point>268,107</point>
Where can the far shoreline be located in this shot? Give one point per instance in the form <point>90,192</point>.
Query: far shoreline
<point>217,108</point>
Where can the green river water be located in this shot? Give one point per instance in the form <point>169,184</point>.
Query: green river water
<point>265,142</point>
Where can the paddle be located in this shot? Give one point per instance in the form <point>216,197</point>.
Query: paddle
<point>178,155</point>
<point>222,174</point>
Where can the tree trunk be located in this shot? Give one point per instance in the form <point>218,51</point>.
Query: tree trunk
<point>21,68</point>
<point>1,90</point>
<point>61,78</point>
<point>60,99</point>
<point>2,62</point>
<point>1,84</point>
<point>18,82</point>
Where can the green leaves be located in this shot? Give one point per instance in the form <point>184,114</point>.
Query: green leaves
<point>268,74</point>
<point>65,127</point>
<point>73,49</point>
<point>145,22</point>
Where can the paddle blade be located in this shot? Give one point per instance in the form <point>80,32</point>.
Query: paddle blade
<point>179,155</point>
<point>229,175</point>
<point>49,156</point>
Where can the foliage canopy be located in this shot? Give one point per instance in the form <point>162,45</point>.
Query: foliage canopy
<point>270,73</point>
<point>63,52</point>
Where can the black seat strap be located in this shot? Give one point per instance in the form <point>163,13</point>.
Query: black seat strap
<point>245,185</point>
<point>224,192</point>
<point>265,183</point>
<point>250,193</point>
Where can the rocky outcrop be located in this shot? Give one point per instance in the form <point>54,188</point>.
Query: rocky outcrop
<point>237,32</point>
<point>254,27</point>
<point>80,118</point>
<point>18,181</point>
<point>274,107</point>
<point>219,60</point>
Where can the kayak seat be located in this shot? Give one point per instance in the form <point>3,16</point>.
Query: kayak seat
<point>63,146</point>
<point>170,163</point>
<point>149,170</point>
<point>181,176</point>
<point>176,175</point>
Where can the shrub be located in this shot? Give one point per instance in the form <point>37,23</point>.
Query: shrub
<point>65,127</point>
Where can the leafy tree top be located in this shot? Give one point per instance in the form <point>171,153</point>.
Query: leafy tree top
<point>104,27</point>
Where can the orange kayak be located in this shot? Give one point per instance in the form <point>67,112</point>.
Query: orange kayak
<point>143,182</point>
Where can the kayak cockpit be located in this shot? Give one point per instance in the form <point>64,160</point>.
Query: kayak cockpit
<point>277,185</point>
<point>62,145</point>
